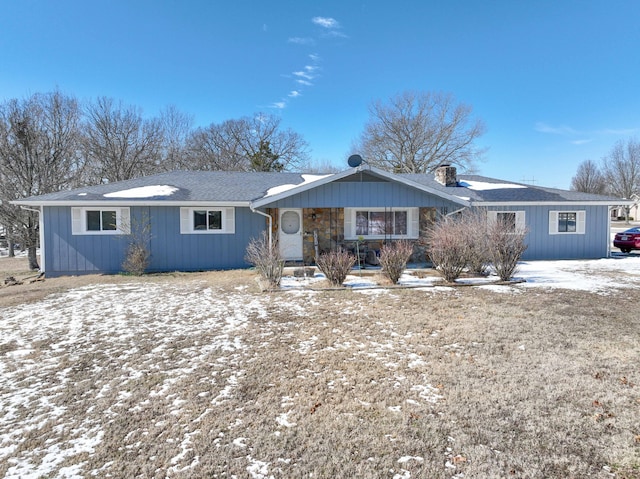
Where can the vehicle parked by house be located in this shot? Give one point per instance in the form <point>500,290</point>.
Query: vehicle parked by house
<point>628,240</point>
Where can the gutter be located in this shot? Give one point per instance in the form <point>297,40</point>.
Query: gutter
<point>41,234</point>
<point>262,213</point>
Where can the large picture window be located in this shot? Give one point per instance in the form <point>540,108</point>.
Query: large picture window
<point>381,223</point>
<point>207,220</point>
<point>91,221</point>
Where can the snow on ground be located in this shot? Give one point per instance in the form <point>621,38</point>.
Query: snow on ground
<point>598,276</point>
<point>35,373</point>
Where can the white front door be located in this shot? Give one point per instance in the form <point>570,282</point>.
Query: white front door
<point>290,233</point>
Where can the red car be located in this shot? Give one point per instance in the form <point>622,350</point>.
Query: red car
<point>628,240</point>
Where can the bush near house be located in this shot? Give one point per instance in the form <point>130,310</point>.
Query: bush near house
<point>335,265</point>
<point>393,259</point>
<point>470,242</point>
<point>449,247</point>
<point>266,258</point>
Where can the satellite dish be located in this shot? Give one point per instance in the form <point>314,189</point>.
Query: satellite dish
<point>355,161</point>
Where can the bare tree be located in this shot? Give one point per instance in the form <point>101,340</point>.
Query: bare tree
<point>320,167</point>
<point>589,179</point>
<point>39,154</point>
<point>417,132</point>
<point>176,128</point>
<point>119,143</point>
<point>621,169</point>
<point>248,144</point>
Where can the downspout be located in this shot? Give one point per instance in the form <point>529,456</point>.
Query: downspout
<point>270,223</point>
<point>609,231</point>
<point>40,233</point>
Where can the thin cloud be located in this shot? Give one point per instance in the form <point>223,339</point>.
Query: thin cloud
<point>619,132</point>
<point>326,22</point>
<point>302,41</point>
<point>581,142</point>
<point>304,74</point>
<point>556,130</point>
<point>280,105</point>
<point>294,94</point>
<point>304,82</point>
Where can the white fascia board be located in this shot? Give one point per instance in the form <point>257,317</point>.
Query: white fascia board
<point>123,202</point>
<point>567,203</point>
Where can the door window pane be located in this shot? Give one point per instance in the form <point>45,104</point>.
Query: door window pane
<point>290,222</point>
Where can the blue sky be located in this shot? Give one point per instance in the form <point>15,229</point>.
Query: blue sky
<point>556,82</point>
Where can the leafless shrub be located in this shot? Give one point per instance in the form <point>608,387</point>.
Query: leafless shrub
<point>479,259</point>
<point>449,247</point>
<point>266,258</point>
<point>336,265</point>
<point>506,245</point>
<point>394,257</point>
<point>136,260</point>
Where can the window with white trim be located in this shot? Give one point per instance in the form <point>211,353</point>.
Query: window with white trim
<point>513,221</point>
<point>567,222</point>
<point>381,223</point>
<point>207,220</point>
<point>99,221</point>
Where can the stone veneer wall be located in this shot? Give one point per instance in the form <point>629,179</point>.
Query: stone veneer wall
<point>329,223</point>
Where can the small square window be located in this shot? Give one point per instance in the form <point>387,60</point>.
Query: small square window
<point>567,222</point>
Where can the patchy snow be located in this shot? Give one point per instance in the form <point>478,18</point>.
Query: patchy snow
<point>282,188</point>
<point>144,192</point>
<point>44,338</point>
<point>484,186</point>
<point>599,276</point>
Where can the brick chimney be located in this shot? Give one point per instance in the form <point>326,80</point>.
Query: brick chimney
<point>446,175</point>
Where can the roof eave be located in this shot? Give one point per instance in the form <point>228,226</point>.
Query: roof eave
<point>129,202</point>
<point>552,203</point>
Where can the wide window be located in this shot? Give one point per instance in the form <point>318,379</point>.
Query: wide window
<point>381,223</point>
<point>567,222</point>
<point>207,220</point>
<point>99,221</point>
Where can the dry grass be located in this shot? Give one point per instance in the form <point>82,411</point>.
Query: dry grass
<point>400,384</point>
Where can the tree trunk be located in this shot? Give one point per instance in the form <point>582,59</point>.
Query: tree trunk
<point>33,258</point>
<point>12,248</point>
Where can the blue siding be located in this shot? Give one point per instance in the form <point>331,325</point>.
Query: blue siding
<point>69,254</point>
<point>374,194</point>
<point>542,245</point>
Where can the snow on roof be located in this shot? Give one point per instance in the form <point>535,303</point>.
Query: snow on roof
<point>484,186</point>
<point>282,188</point>
<point>144,192</point>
